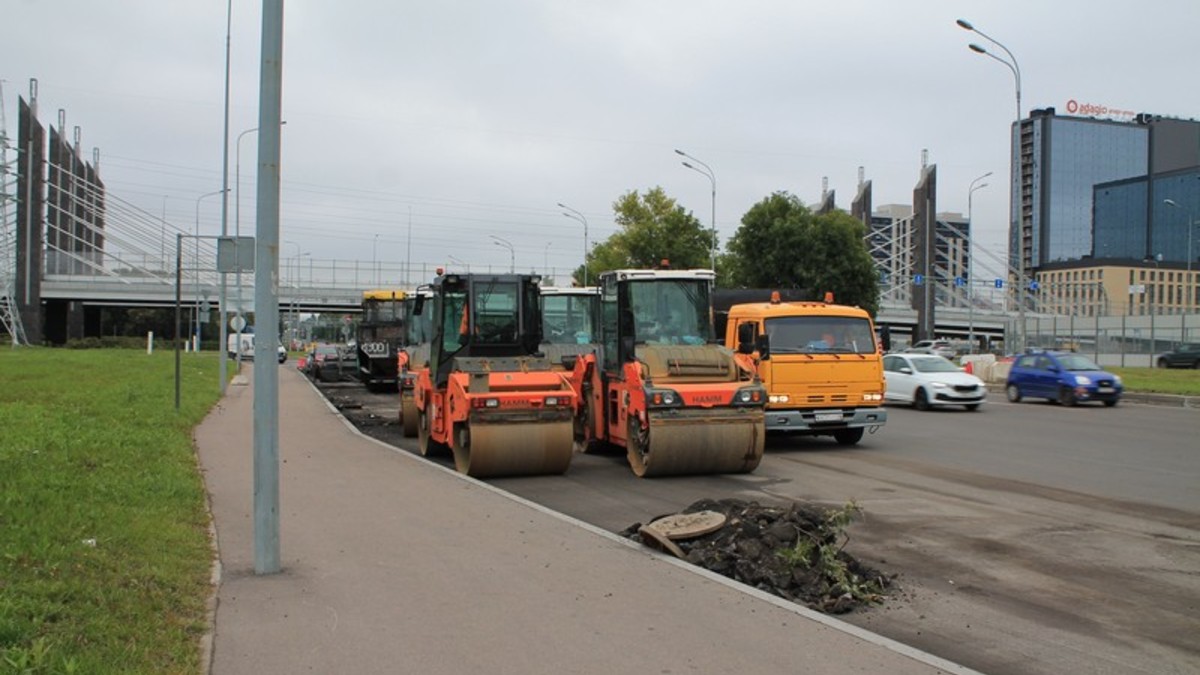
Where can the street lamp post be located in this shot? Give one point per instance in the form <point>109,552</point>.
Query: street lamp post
<point>546,258</point>
<point>1012,65</point>
<point>576,215</point>
<point>375,260</point>
<point>237,232</point>
<point>512,257</point>
<point>1191,225</point>
<point>971,258</point>
<point>708,173</point>
<point>196,259</point>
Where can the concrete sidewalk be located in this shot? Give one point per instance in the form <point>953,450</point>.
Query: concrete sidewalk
<point>395,565</point>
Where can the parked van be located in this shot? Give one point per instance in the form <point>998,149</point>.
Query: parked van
<point>246,348</point>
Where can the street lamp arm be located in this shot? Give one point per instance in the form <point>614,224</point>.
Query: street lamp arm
<point>576,215</point>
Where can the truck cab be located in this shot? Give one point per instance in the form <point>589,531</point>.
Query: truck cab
<point>819,361</point>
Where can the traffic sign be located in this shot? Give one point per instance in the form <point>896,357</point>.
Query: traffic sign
<point>918,279</point>
<point>999,283</point>
<point>959,281</point>
<point>237,323</point>
<point>1033,285</point>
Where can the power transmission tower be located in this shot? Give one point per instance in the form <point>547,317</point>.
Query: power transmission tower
<point>10,316</point>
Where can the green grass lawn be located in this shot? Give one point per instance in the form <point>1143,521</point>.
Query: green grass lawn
<point>104,550</point>
<point>1160,380</point>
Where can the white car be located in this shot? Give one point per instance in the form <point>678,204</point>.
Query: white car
<point>939,347</point>
<point>927,381</point>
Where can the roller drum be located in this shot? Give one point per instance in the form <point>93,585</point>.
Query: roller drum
<point>408,413</point>
<point>485,450</point>
<point>705,443</point>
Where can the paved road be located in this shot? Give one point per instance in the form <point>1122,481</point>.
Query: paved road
<point>1027,538</point>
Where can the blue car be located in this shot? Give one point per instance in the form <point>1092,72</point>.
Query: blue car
<point>1065,377</point>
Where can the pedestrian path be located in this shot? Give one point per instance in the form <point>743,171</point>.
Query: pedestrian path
<point>395,565</point>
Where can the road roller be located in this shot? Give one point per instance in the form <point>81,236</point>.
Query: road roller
<point>487,394</point>
<point>569,317</point>
<point>661,386</point>
<point>412,357</point>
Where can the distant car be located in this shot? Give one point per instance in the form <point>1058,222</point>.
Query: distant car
<point>324,363</point>
<point>1183,356</point>
<point>1066,377</point>
<point>942,348</point>
<point>930,381</point>
<point>247,346</point>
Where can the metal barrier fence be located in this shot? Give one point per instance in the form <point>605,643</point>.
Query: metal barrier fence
<point>1120,340</point>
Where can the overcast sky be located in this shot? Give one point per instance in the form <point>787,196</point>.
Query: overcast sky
<point>477,117</point>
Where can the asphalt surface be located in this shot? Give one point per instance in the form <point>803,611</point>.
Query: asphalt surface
<point>1028,538</point>
<point>393,564</point>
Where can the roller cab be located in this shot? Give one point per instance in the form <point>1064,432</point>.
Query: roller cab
<point>413,356</point>
<point>660,387</point>
<point>487,395</point>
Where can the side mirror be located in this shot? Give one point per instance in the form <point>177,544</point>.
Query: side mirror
<point>763,344</point>
<point>906,370</point>
<point>745,336</point>
<point>569,361</point>
<point>885,337</point>
<point>419,306</point>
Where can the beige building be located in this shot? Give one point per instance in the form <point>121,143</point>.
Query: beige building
<point>1092,287</point>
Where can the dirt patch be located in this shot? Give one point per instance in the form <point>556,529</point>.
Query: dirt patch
<point>794,552</point>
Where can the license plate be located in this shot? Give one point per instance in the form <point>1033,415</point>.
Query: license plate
<point>828,417</point>
<point>1105,390</point>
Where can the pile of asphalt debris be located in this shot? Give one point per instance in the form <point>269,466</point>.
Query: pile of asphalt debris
<point>794,552</point>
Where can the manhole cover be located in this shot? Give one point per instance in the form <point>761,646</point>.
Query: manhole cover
<point>688,525</point>
<point>657,540</point>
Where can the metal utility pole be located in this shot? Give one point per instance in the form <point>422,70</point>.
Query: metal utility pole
<point>223,339</point>
<point>1015,68</point>
<point>266,296</point>
<point>576,215</point>
<point>708,173</point>
<point>971,259</point>
<point>512,257</point>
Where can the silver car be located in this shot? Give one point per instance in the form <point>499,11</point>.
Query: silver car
<point>941,348</point>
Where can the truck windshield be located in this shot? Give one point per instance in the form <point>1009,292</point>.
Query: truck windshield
<point>820,335</point>
<point>567,319</point>
<point>673,311</point>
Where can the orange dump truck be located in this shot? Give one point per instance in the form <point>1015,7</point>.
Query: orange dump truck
<point>819,361</point>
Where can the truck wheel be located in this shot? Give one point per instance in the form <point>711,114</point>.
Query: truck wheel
<point>848,436</point>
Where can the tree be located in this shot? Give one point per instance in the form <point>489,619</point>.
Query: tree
<point>653,228</point>
<point>782,244</point>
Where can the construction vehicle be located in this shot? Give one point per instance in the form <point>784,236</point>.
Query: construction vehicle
<point>661,386</point>
<point>414,355</point>
<point>486,393</point>
<point>819,361</point>
<point>569,316</point>
<point>380,334</point>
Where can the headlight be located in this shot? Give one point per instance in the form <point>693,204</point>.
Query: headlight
<point>662,398</point>
<point>1117,379</point>
<point>781,398</point>
<point>750,396</point>
<point>872,397</point>
<point>1082,380</point>
<point>938,385</point>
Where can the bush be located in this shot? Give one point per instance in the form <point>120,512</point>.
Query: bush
<point>107,342</point>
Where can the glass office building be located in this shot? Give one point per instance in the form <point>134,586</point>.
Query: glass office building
<point>1060,160</point>
<point>1134,221</point>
